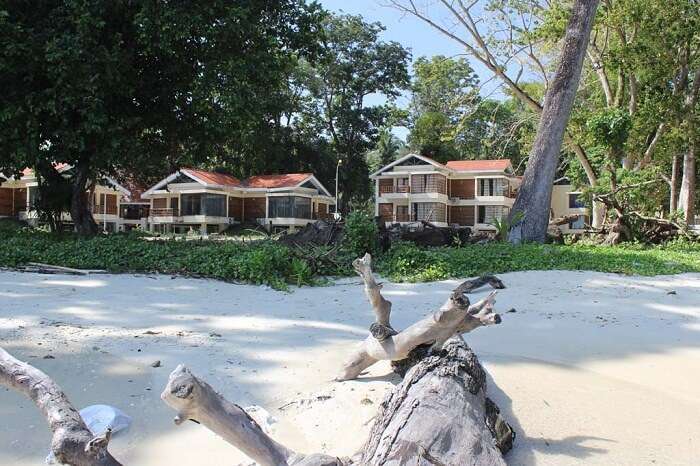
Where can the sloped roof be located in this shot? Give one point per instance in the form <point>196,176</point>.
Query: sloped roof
<point>478,165</point>
<point>425,159</point>
<point>60,167</point>
<point>212,177</point>
<point>286,180</point>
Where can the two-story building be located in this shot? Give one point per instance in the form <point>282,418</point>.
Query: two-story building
<point>473,193</point>
<point>111,203</point>
<point>208,202</point>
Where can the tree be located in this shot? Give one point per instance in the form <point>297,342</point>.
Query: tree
<point>354,64</point>
<point>505,50</point>
<point>534,196</point>
<point>110,86</point>
<point>445,95</point>
<point>386,151</point>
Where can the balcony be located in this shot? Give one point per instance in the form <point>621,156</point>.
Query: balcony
<point>394,189</point>
<point>165,213</point>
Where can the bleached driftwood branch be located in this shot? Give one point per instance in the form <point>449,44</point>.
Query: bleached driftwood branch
<point>196,400</point>
<point>456,316</point>
<point>72,442</point>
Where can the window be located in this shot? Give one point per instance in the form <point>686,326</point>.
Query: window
<point>203,204</point>
<point>289,207</point>
<point>429,212</point>
<point>488,213</point>
<point>579,223</point>
<point>492,186</point>
<point>575,201</point>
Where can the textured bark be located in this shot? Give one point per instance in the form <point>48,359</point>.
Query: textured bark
<point>675,169</point>
<point>686,198</point>
<point>72,443</point>
<point>440,415</point>
<point>535,193</point>
<point>83,221</point>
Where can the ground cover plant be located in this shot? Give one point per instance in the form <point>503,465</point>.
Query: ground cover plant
<point>271,263</point>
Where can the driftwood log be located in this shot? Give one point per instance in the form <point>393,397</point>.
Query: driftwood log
<point>455,317</point>
<point>72,442</point>
<point>438,415</point>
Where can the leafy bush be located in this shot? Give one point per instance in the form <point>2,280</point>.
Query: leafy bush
<point>360,235</point>
<point>269,262</point>
<point>407,262</point>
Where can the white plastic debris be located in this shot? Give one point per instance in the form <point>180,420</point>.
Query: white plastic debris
<point>98,418</point>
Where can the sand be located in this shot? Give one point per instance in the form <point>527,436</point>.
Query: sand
<point>592,368</point>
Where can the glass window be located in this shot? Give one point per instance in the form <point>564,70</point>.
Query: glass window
<point>579,223</point>
<point>429,212</point>
<point>289,207</point>
<point>492,187</point>
<point>204,204</point>
<point>488,213</point>
<point>575,201</point>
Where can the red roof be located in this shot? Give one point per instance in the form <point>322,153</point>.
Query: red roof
<point>276,181</point>
<point>212,177</point>
<point>478,165</point>
<point>58,166</point>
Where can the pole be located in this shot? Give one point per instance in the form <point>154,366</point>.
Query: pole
<point>337,168</point>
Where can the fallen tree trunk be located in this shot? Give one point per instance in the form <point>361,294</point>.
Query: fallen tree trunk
<point>438,415</point>
<point>72,442</point>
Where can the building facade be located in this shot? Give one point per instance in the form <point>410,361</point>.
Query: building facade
<point>112,205</point>
<point>206,202</point>
<point>473,193</point>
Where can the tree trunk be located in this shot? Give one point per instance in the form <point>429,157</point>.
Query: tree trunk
<point>675,168</point>
<point>535,193</point>
<point>686,199</point>
<point>72,443</point>
<point>440,414</point>
<point>83,221</point>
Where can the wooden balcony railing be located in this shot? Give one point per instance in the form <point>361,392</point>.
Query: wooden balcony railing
<point>394,189</point>
<point>165,212</point>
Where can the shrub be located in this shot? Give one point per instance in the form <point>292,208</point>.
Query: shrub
<point>361,234</point>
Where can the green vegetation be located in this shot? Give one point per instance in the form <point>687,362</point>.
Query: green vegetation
<point>406,262</point>
<point>274,264</point>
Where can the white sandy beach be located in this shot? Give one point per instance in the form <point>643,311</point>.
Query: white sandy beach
<point>593,368</point>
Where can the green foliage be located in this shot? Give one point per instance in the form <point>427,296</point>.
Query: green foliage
<point>610,128</point>
<point>260,262</point>
<point>271,263</point>
<point>503,225</point>
<point>113,86</point>
<point>361,233</point>
<point>353,63</point>
<point>407,262</point>
<point>449,120</point>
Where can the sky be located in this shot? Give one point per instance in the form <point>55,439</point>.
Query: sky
<point>420,38</point>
